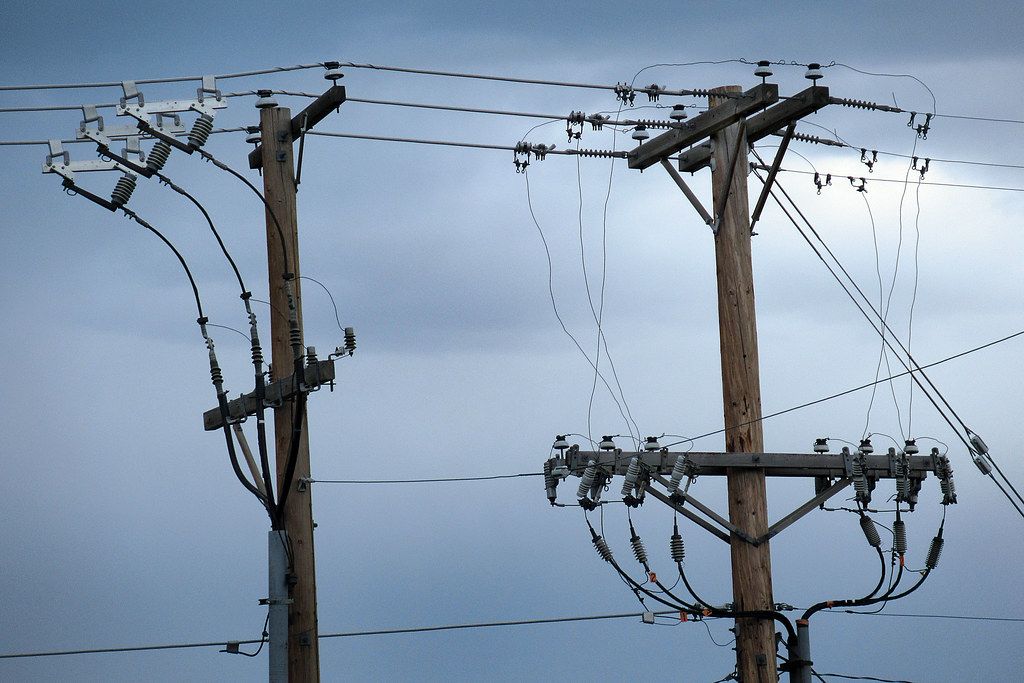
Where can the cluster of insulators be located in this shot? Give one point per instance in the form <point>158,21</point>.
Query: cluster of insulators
<point>595,477</point>
<point>899,542</point>
<point>764,69</point>
<point>637,544</point>
<point>521,154</point>
<point>907,486</point>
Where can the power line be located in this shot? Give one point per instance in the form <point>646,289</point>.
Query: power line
<point>861,678</point>
<point>924,183</point>
<point>349,634</point>
<point>454,627</point>
<point>423,481</point>
<point>174,79</point>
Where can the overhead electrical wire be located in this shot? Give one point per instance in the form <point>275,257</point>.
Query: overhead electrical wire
<point>425,481</point>
<point>452,627</point>
<point>554,305</point>
<point>175,79</point>
<point>914,371</point>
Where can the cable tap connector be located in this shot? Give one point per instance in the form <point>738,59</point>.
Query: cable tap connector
<point>654,91</point>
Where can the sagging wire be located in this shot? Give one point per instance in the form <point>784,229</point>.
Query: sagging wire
<point>598,313</point>
<point>974,444</point>
<point>554,306</point>
<point>883,356</point>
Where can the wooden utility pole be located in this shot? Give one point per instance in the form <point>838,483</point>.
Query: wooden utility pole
<point>741,393</point>
<point>279,188</point>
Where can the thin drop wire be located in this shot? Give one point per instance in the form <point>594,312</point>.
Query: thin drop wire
<point>337,319</point>
<point>887,75</point>
<point>554,305</point>
<point>226,327</point>
<point>917,370</point>
<point>913,298</point>
<point>881,351</point>
<point>896,268</point>
<point>604,270</point>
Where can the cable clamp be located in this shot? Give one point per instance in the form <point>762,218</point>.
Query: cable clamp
<point>870,163</point>
<point>922,169</point>
<point>271,601</point>
<point>625,93</point>
<point>819,184</point>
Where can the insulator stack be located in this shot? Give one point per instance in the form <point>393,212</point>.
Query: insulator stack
<point>350,339</point>
<point>678,472</point>
<point>638,549</point>
<point>934,550</point>
<point>870,532</point>
<point>215,373</point>
<point>944,471</point>
<point>602,548</point>
<point>860,482</point>
<point>123,190</point>
<point>550,484</point>
<point>158,155</point>
<point>598,153</point>
<point>902,481</point>
<point>587,480</point>
<point>948,491</point>
<point>254,336</point>
<point>200,132</point>
<point>676,547</point>
<point>632,476</point>
<point>899,531</point>
<point>257,352</point>
<point>863,104</point>
<point>653,123</point>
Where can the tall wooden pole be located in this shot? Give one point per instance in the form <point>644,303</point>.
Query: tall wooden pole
<point>279,188</point>
<point>741,391</point>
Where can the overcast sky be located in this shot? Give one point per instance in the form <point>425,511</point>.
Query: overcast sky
<point>124,524</point>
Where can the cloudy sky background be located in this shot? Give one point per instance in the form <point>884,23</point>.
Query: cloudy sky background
<point>124,525</point>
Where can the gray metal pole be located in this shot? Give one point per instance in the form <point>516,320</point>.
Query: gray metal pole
<point>801,672</point>
<point>278,605</point>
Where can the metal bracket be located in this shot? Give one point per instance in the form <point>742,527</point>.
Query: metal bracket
<point>759,206</point>
<point>302,145</point>
<point>705,216</point>
<point>142,110</point>
<point>59,161</point>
